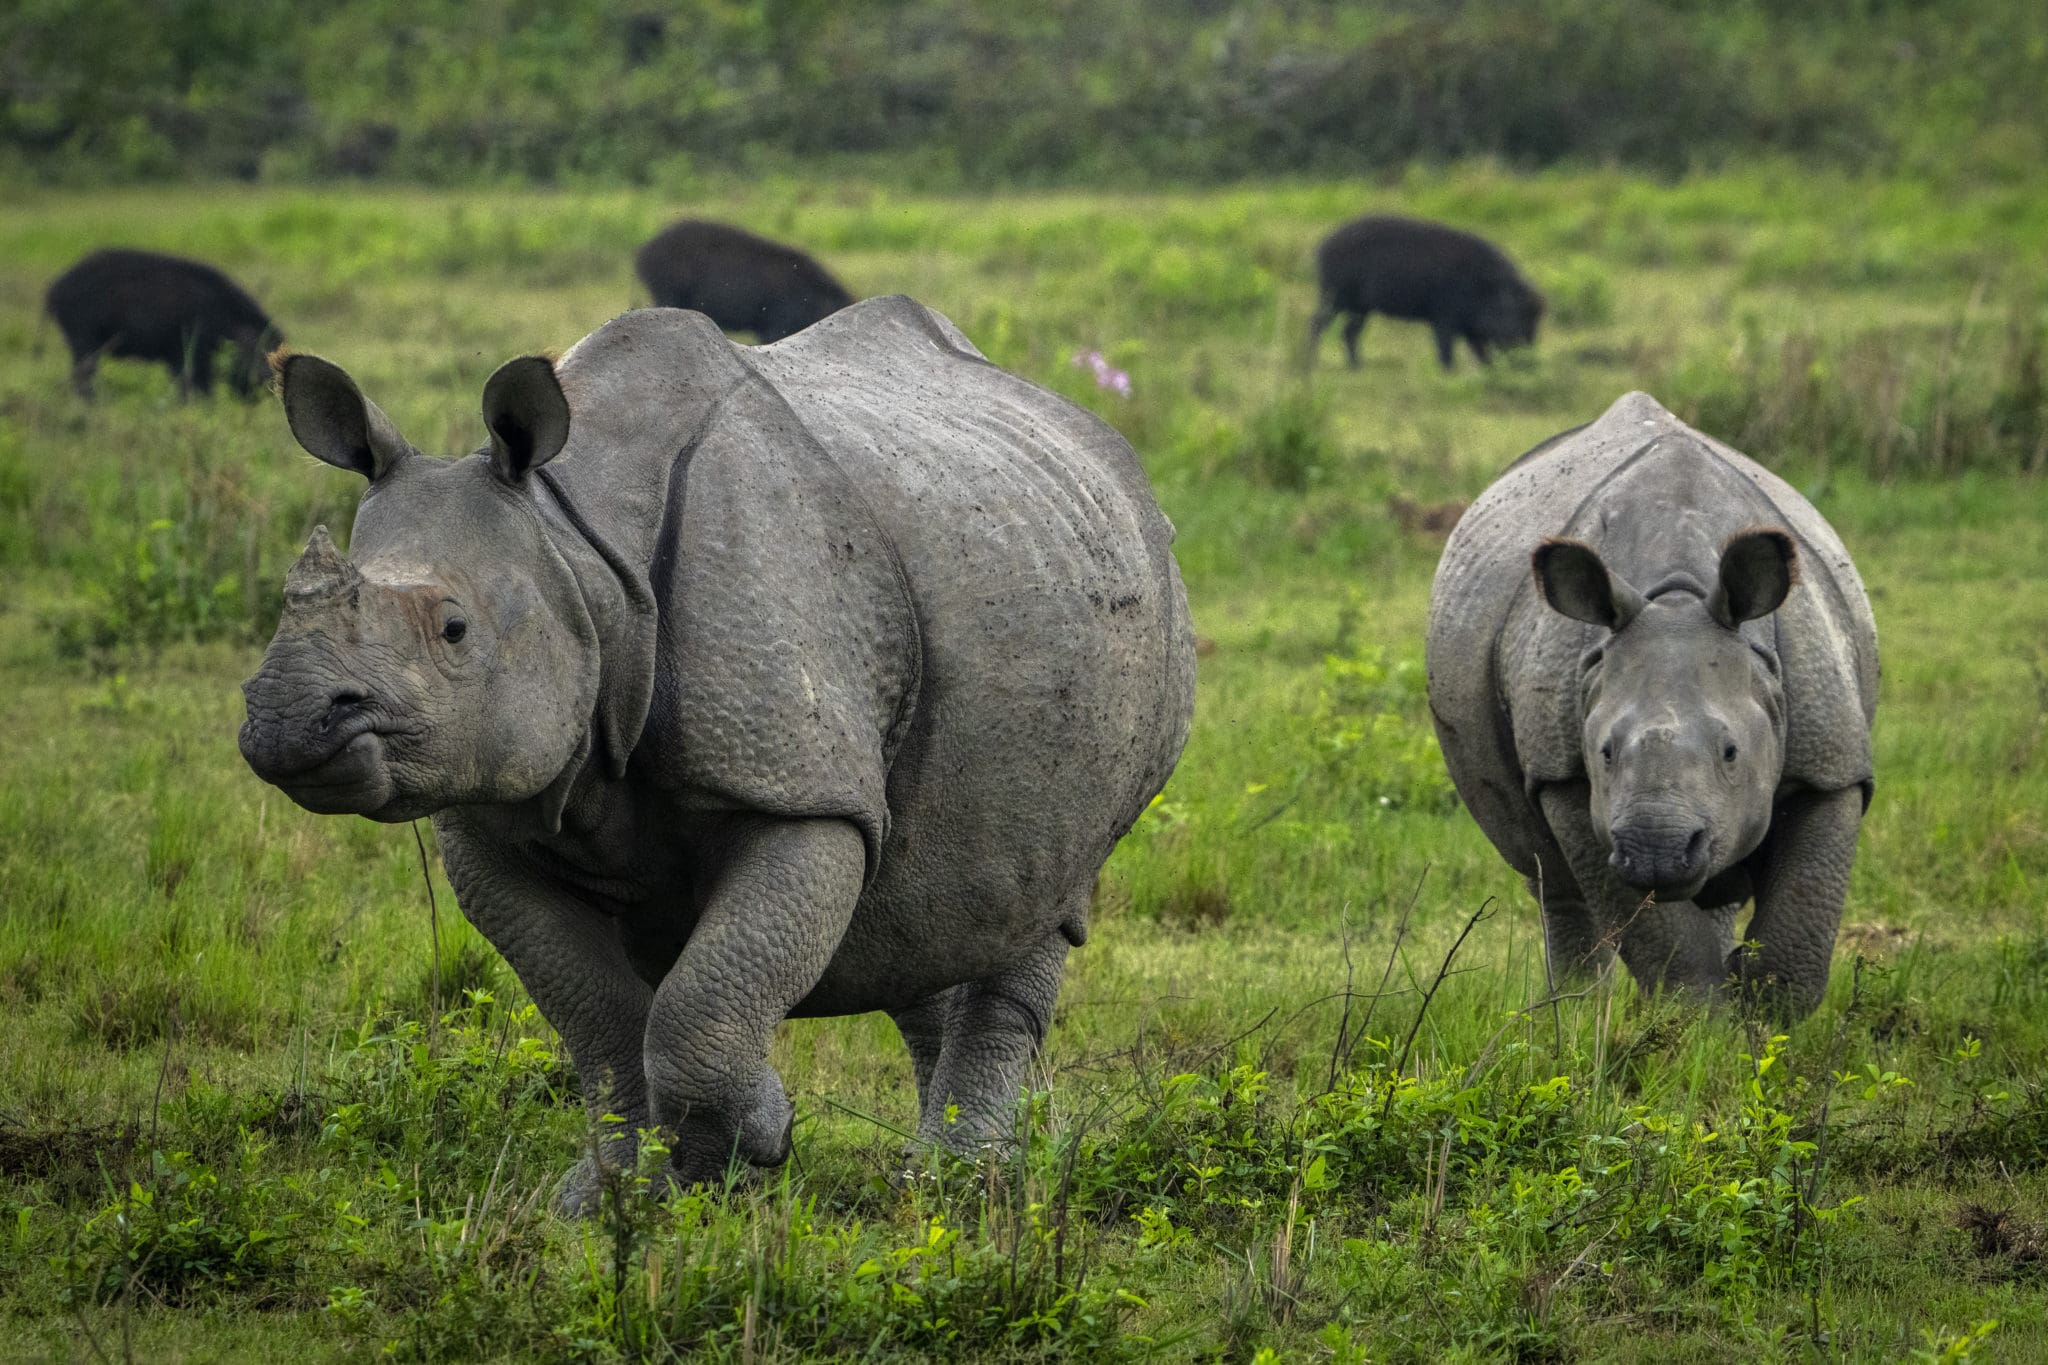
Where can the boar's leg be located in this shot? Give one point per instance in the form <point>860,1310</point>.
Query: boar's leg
<point>1446,342</point>
<point>1317,325</point>
<point>1803,879</point>
<point>83,370</point>
<point>1354,327</point>
<point>200,368</point>
<point>993,1029</point>
<point>1479,347</point>
<point>780,898</point>
<point>570,959</point>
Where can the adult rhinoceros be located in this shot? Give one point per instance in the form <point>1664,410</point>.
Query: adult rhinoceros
<point>1671,713</point>
<point>746,683</point>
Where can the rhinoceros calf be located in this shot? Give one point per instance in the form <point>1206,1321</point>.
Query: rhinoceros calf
<point>1670,713</point>
<point>746,684</point>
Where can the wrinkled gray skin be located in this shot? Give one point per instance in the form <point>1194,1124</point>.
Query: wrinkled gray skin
<point>804,680</point>
<point>1653,671</point>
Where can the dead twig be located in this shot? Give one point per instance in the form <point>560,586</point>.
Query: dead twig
<point>433,927</point>
<point>1484,912</point>
<point>1393,954</point>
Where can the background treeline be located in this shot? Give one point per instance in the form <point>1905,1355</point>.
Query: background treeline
<point>971,92</point>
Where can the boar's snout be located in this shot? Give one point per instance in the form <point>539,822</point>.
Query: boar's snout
<point>1667,858</point>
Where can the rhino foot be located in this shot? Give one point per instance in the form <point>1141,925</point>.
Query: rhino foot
<point>703,1150</point>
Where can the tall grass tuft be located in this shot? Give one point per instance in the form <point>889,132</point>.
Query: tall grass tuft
<point>1887,402</point>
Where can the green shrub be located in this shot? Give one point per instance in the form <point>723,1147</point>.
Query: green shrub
<point>1287,443</point>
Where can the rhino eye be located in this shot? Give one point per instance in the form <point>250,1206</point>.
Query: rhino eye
<point>1728,752</point>
<point>1607,752</point>
<point>454,630</point>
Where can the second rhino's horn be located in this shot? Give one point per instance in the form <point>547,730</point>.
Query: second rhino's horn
<point>321,572</point>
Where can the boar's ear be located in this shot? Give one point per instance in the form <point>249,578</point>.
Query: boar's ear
<point>330,417</point>
<point>1576,583</point>
<point>527,415</point>
<point>1758,569</point>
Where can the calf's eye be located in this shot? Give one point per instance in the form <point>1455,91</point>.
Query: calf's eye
<point>1607,752</point>
<point>454,630</point>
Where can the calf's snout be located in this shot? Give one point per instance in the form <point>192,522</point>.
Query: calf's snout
<point>1668,858</point>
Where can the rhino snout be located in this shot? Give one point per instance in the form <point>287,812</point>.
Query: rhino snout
<point>1668,859</point>
<point>294,728</point>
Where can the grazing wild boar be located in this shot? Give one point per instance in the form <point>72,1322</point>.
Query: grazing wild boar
<point>144,305</point>
<point>746,683</point>
<point>1653,671</point>
<point>741,282</point>
<point>1461,285</point>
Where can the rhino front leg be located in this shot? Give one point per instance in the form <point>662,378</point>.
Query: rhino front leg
<point>1574,947</point>
<point>1680,944</point>
<point>571,961</point>
<point>994,1027</point>
<point>1583,917</point>
<point>1802,883</point>
<point>780,900</point>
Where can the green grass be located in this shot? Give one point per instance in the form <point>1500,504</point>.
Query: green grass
<point>242,1114</point>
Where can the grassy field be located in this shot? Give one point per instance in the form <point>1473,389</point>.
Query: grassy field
<point>259,1095</point>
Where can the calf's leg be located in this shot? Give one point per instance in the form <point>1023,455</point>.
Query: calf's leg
<point>1802,881</point>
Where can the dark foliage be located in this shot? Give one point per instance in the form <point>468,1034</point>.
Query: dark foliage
<point>973,91</point>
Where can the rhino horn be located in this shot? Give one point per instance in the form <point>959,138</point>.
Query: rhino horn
<point>321,573</point>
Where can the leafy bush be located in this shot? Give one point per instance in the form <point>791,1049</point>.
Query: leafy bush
<point>1372,732</point>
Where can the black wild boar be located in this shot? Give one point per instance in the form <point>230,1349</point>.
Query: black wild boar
<point>145,305</point>
<point>1461,285</point>
<point>741,282</point>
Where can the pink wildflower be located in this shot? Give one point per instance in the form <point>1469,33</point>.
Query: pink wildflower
<point>1107,376</point>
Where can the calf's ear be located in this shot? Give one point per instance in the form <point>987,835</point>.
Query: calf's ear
<point>330,417</point>
<point>1574,581</point>
<point>527,416</point>
<point>1758,569</point>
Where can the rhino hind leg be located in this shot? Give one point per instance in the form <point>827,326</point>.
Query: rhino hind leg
<point>923,1027</point>
<point>992,1029</point>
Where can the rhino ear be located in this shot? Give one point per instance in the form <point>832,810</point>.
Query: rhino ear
<point>1758,569</point>
<point>330,417</point>
<point>1576,583</point>
<point>527,415</point>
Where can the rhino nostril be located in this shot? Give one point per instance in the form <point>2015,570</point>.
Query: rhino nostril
<point>341,704</point>
<point>1696,847</point>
